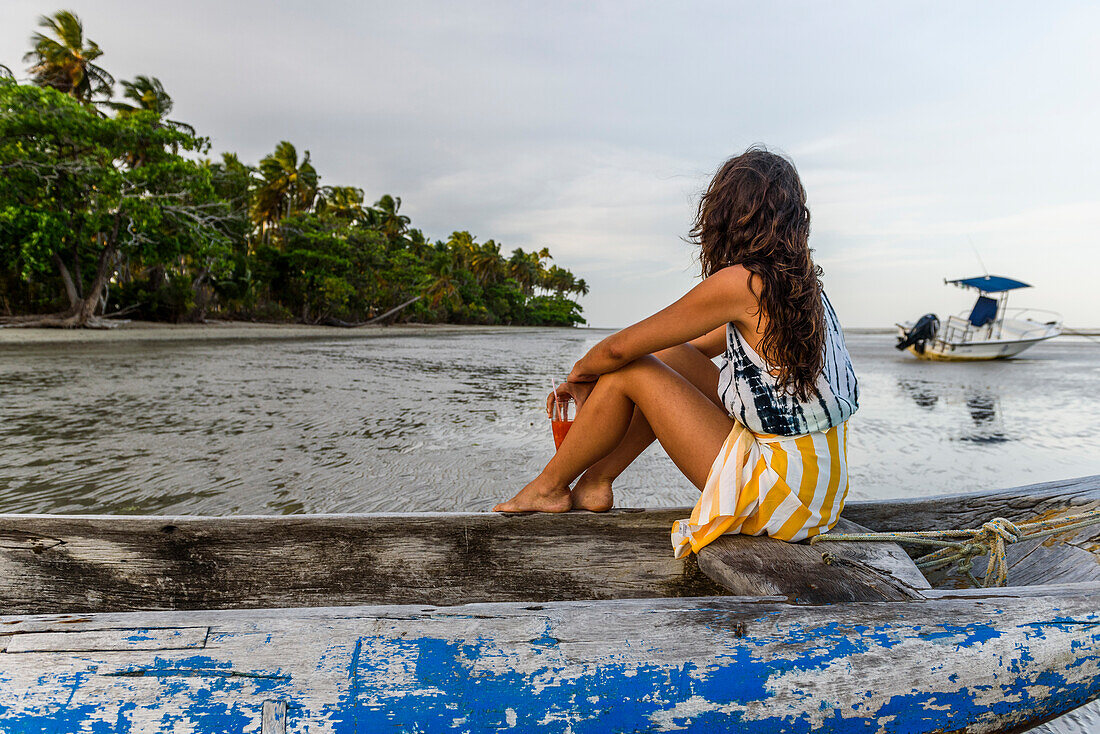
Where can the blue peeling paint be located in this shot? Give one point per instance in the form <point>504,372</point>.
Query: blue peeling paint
<point>427,684</point>
<point>217,698</point>
<point>1066,624</point>
<point>446,693</point>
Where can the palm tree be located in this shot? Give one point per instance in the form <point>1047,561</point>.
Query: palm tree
<point>286,186</point>
<point>523,269</point>
<point>392,224</point>
<point>463,247</point>
<point>581,288</point>
<point>418,243</point>
<point>487,264</point>
<point>559,280</point>
<point>147,95</point>
<point>342,202</point>
<point>542,275</point>
<point>443,285</point>
<point>64,61</point>
<point>539,274</point>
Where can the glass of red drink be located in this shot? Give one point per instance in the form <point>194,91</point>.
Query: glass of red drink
<point>562,412</point>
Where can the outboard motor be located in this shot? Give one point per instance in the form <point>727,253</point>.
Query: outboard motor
<point>923,331</point>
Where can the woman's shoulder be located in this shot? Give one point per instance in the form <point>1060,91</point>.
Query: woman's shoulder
<point>731,273</point>
<point>736,279</point>
<point>734,285</point>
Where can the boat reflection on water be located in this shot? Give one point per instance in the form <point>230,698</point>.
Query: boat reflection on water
<point>986,425</point>
<point>922,393</point>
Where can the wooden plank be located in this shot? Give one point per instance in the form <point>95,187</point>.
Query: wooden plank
<point>98,563</point>
<point>971,510</point>
<point>172,638</point>
<point>273,718</point>
<point>961,662</point>
<point>1016,592</point>
<point>753,565</point>
<point>1042,561</point>
<point>1039,562</point>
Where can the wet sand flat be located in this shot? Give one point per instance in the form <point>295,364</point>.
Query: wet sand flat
<point>147,331</point>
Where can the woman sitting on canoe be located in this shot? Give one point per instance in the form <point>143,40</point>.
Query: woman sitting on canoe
<point>765,436</point>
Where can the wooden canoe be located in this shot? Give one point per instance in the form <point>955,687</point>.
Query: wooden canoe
<point>479,622</point>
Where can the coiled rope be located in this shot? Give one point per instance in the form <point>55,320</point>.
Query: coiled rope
<point>962,547</point>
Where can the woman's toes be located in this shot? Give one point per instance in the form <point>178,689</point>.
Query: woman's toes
<point>538,498</point>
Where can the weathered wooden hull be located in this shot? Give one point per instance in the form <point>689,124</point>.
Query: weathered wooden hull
<point>955,660</point>
<point>965,661</point>
<point>97,563</point>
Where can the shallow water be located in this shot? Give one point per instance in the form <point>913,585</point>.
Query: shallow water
<point>455,422</point>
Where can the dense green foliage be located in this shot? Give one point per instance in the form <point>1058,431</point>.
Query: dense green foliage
<point>108,207</point>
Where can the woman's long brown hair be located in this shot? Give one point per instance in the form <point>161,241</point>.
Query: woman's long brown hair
<point>754,214</point>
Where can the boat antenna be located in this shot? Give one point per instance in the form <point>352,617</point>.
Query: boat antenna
<point>985,270</point>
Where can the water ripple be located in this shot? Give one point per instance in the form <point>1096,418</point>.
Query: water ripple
<point>455,422</point>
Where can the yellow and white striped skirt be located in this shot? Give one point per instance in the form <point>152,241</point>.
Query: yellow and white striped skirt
<point>790,487</point>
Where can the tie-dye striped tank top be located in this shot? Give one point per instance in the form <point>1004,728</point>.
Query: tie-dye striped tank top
<point>749,391</point>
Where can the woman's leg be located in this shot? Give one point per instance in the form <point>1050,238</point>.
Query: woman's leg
<point>688,424</point>
<point>593,489</point>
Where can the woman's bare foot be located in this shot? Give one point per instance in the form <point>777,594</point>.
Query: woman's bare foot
<point>538,496</point>
<point>593,494</point>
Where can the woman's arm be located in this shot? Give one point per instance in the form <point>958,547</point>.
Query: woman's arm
<point>721,298</point>
<point>712,343</point>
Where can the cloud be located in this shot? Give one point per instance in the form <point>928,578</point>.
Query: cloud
<point>590,128</point>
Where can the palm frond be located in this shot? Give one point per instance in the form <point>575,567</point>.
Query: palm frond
<point>63,61</point>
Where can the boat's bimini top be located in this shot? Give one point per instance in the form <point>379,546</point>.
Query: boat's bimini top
<point>990,283</point>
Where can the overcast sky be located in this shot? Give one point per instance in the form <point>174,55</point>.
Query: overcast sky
<point>591,128</point>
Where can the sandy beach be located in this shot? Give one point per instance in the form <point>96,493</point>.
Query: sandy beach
<point>148,331</point>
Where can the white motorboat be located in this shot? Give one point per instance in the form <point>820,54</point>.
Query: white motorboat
<point>989,330</point>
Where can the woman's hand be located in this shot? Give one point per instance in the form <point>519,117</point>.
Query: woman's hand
<point>579,391</point>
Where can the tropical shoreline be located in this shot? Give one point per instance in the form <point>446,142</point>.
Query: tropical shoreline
<point>227,330</point>
<point>109,207</point>
<point>212,331</point>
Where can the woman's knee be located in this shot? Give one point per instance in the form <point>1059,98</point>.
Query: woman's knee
<point>677,357</point>
<point>695,367</point>
<point>634,371</point>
